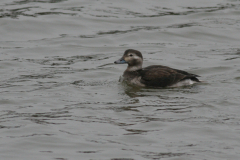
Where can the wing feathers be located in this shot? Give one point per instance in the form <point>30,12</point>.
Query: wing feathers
<point>163,76</point>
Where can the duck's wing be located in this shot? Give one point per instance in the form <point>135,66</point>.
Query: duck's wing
<point>162,76</point>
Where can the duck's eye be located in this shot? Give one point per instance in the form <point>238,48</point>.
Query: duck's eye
<point>130,55</point>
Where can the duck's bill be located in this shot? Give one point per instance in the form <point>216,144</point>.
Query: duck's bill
<point>120,61</point>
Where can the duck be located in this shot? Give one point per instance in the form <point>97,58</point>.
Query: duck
<point>155,75</point>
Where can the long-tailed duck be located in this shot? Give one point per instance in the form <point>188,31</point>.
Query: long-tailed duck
<point>155,75</point>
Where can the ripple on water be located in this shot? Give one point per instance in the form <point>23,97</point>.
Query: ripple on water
<point>60,95</point>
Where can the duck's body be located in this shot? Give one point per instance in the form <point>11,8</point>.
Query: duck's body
<point>153,76</point>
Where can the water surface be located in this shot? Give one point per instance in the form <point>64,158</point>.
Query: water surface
<point>60,95</point>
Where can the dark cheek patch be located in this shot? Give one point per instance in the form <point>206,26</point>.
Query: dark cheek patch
<point>134,62</point>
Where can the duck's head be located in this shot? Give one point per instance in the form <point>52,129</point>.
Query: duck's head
<point>133,58</point>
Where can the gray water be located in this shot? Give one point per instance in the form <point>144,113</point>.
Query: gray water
<point>60,95</point>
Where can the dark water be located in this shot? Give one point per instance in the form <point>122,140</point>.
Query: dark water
<point>60,95</point>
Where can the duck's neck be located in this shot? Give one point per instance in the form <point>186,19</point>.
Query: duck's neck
<point>134,68</point>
